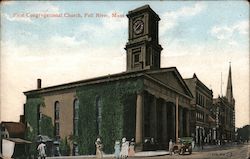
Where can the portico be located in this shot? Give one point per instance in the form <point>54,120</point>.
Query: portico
<point>156,114</point>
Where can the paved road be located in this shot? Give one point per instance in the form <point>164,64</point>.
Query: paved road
<point>234,152</point>
<point>227,152</point>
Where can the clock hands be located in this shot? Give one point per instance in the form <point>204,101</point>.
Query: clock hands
<point>137,26</point>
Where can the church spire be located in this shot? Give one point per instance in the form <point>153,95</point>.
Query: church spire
<point>229,93</point>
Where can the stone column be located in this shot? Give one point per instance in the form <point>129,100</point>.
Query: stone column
<point>181,122</point>
<point>139,122</point>
<point>164,123</point>
<point>173,126</point>
<point>177,119</point>
<point>196,135</point>
<point>188,122</point>
<point>153,119</point>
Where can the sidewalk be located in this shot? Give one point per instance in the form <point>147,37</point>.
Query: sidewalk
<point>137,155</point>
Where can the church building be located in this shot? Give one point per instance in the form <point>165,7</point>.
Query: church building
<point>225,113</point>
<point>144,102</point>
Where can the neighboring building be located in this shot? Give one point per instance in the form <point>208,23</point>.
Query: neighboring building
<point>12,139</point>
<point>140,103</point>
<point>202,122</point>
<point>225,113</point>
<point>13,130</point>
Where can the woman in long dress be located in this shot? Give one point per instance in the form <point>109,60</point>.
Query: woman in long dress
<point>99,147</point>
<point>131,151</point>
<point>124,149</point>
<point>117,149</point>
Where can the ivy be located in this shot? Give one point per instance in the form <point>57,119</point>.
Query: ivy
<point>64,147</point>
<point>31,117</point>
<point>46,126</point>
<point>118,101</point>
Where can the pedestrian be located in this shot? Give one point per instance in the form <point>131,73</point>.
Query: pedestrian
<point>117,149</point>
<point>131,150</point>
<point>202,142</point>
<point>41,150</point>
<point>124,148</point>
<point>193,144</point>
<point>99,147</point>
<point>170,147</point>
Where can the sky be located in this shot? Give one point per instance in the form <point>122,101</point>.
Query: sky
<point>62,42</point>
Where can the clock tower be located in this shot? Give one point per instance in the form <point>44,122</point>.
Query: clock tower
<point>143,48</point>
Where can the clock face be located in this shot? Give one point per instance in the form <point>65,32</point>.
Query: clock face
<point>138,26</point>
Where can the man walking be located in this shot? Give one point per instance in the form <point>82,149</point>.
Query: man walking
<point>41,150</point>
<point>170,147</point>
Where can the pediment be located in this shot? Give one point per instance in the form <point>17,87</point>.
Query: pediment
<point>172,79</point>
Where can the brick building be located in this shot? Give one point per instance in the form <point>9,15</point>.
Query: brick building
<point>225,113</point>
<point>202,122</point>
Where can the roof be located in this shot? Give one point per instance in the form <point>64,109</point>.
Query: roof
<point>199,82</point>
<point>18,140</point>
<point>109,78</point>
<point>43,138</point>
<point>143,9</point>
<point>15,129</point>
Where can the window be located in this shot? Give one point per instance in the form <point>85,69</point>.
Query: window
<point>56,119</point>
<point>98,115</point>
<point>75,117</point>
<point>148,56</point>
<point>136,55</point>
<point>136,58</point>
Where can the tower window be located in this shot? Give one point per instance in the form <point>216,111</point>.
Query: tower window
<point>136,55</point>
<point>136,58</point>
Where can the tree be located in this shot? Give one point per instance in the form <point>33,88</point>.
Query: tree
<point>244,133</point>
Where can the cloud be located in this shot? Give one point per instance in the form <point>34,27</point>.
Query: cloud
<point>47,7</point>
<point>33,11</point>
<point>226,32</point>
<point>8,3</point>
<point>242,27</point>
<point>170,19</point>
<point>65,41</point>
<point>15,18</point>
<point>223,32</point>
<point>114,23</point>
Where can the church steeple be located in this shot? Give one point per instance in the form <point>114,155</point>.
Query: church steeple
<point>229,93</point>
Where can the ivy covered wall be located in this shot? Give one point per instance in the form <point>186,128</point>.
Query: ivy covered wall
<point>34,125</point>
<point>118,106</point>
<point>118,100</point>
<point>31,118</point>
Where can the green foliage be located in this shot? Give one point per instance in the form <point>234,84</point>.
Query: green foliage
<point>87,123</point>
<point>31,117</point>
<point>118,113</point>
<point>46,126</point>
<point>244,133</point>
<point>64,147</point>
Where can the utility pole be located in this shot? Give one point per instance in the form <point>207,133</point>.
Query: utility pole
<point>221,83</point>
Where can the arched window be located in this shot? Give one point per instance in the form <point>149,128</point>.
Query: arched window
<point>98,115</point>
<point>75,116</point>
<point>57,119</point>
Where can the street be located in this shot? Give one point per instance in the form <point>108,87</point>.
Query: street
<point>233,152</point>
<point>224,152</point>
